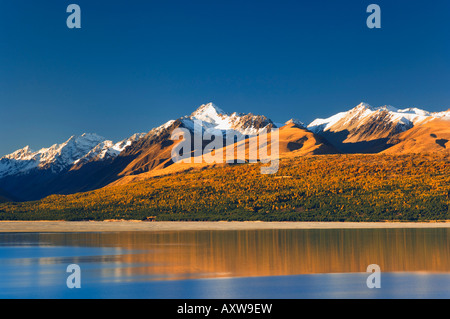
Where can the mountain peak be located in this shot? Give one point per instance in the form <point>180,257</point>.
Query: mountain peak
<point>295,122</point>
<point>89,137</point>
<point>207,112</point>
<point>363,106</point>
<point>388,108</point>
<point>20,154</point>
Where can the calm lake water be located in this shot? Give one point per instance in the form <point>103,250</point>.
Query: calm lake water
<point>289,264</point>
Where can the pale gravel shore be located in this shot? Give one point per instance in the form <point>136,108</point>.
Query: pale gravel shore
<point>116,226</point>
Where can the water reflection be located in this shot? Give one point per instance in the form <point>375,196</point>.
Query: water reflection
<point>199,254</point>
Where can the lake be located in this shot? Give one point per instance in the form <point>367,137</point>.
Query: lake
<point>288,264</point>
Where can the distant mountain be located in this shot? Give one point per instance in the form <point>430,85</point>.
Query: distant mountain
<point>28,174</point>
<point>56,158</point>
<point>106,150</point>
<point>77,150</point>
<point>365,129</point>
<point>89,161</point>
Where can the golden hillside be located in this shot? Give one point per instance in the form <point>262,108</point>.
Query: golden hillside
<point>305,188</point>
<point>431,136</point>
<point>293,141</point>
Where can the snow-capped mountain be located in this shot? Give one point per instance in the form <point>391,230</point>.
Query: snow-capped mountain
<point>364,114</point>
<point>108,149</point>
<point>154,150</point>
<point>56,158</point>
<point>79,150</point>
<point>442,115</point>
<point>365,128</point>
<point>90,161</point>
<point>295,122</point>
<point>19,161</point>
<point>60,157</point>
<point>214,118</point>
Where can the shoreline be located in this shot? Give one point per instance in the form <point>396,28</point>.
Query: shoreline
<point>117,226</point>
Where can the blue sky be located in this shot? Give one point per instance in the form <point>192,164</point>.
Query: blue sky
<point>136,64</point>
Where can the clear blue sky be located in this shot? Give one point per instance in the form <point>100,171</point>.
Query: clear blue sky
<point>135,64</point>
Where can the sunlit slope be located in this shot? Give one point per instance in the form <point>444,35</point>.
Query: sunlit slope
<point>320,187</point>
<point>431,136</point>
<point>293,141</point>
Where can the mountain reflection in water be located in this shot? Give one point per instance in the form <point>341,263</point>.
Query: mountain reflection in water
<point>200,254</point>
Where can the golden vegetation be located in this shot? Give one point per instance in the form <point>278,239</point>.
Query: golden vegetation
<point>321,187</point>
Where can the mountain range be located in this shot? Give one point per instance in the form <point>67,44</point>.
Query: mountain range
<point>365,129</point>
<point>89,161</point>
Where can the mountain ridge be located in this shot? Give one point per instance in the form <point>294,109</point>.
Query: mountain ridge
<point>367,129</point>
<point>89,161</point>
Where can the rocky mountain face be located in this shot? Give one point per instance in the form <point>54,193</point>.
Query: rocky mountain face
<point>365,129</point>
<point>77,150</point>
<point>213,118</point>
<point>60,168</point>
<point>154,150</point>
<point>89,161</point>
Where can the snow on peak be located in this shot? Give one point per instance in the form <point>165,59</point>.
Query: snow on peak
<point>23,153</point>
<point>157,130</point>
<point>367,107</point>
<point>320,125</point>
<point>414,110</point>
<point>363,106</point>
<point>387,108</point>
<point>214,118</point>
<point>444,114</point>
<point>59,157</point>
<point>108,149</point>
<point>208,113</point>
<point>296,122</point>
<point>363,112</point>
<point>120,146</point>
